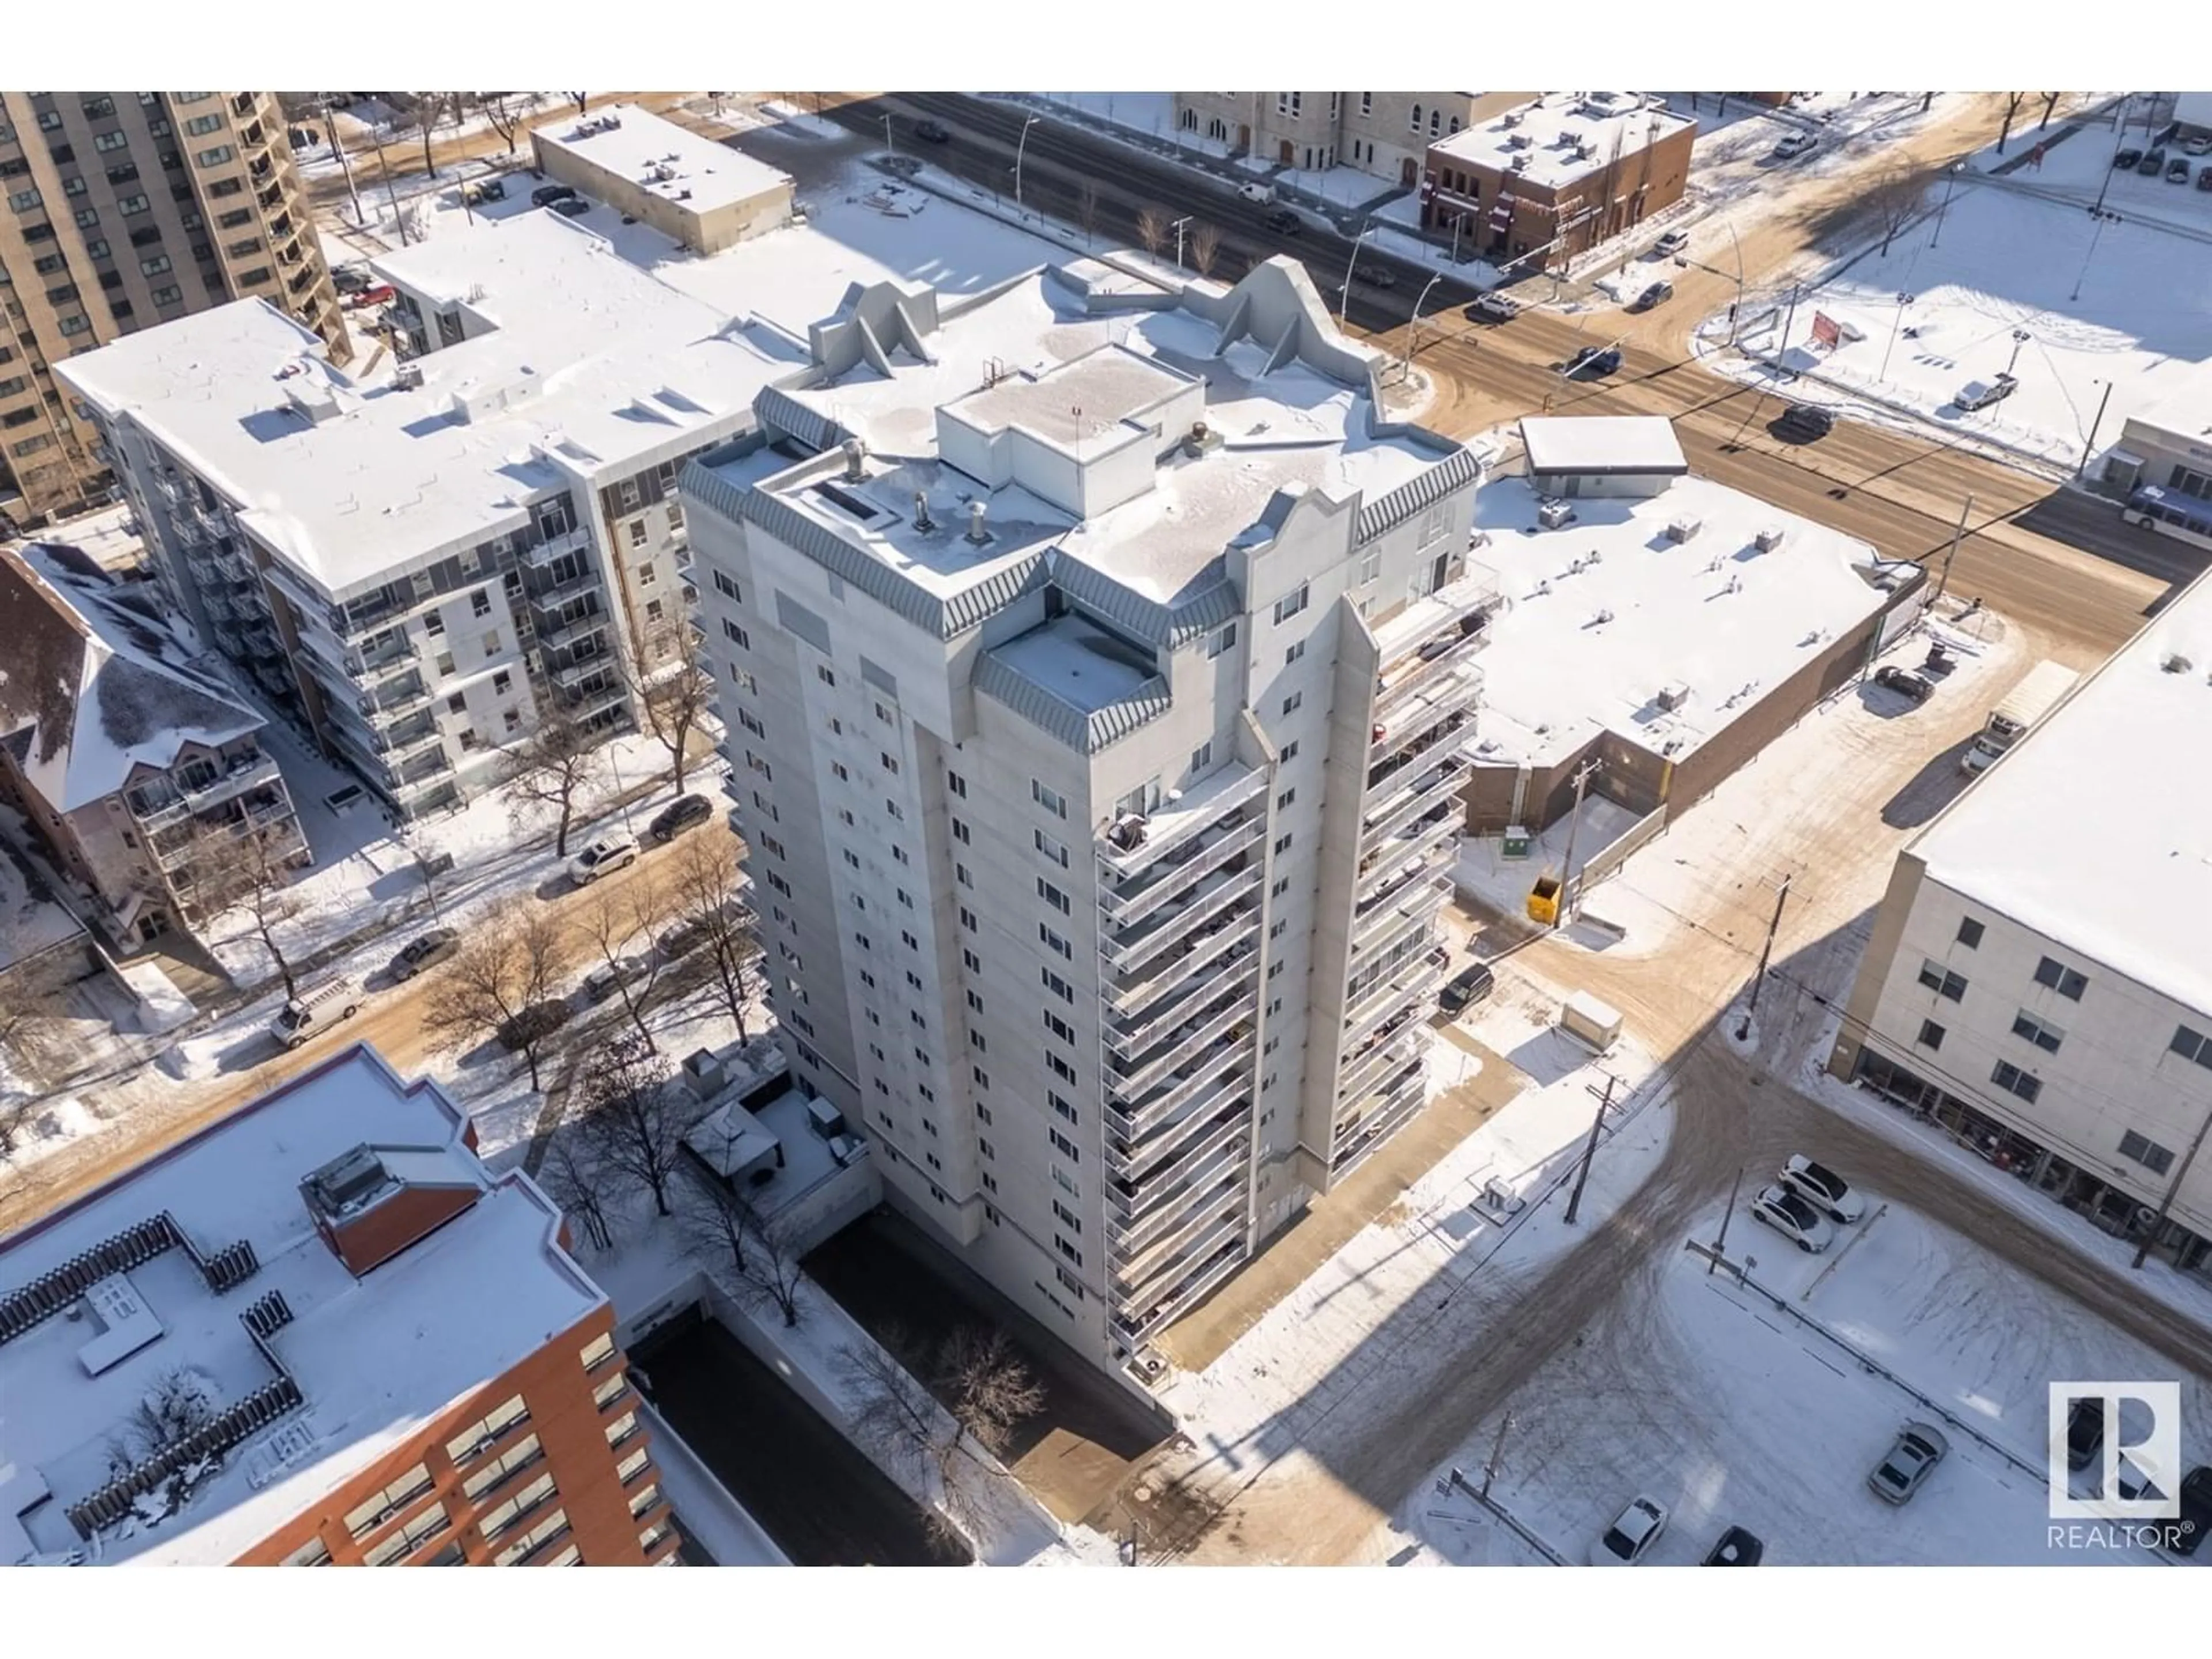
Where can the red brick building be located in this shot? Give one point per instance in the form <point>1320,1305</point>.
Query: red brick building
<point>1549,179</point>
<point>319,1332</point>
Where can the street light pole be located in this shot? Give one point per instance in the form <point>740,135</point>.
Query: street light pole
<point>1903,300</point>
<point>2103,216</point>
<point>1950,184</point>
<point>2166,1204</point>
<point>1344,300</point>
<point>889,143</point>
<point>1568,891</point>
<point>1021,145</point>
<point>2090,448</point>
<point>1179,227</point>
<point>1736,310</point>
<point>345,162</point>
<point>2020,336</point>
<point>1413,330</point>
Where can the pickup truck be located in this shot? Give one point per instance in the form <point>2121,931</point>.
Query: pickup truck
<point>1980,394</point>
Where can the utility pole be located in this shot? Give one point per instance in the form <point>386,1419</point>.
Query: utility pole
<point>1720,1244</point>
<point>390,190</point>
<point>2090,448</point>
<point>1567,887</point>
<point>1497,1451</point>
<point>1943,577</point>
<point>345,162</point>
<point>889,143</point>
<point>1765,951</point>
<point>2166,1204</point>
<point>1344,302</point>
<point>1782,352</point>
<point>1590,1152</point>
<point>1179,227</point>
<point>1950,183</point>
<point>1903,300</point>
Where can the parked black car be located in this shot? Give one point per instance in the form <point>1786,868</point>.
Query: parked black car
<point>930,132</point>
<point>1376,276</point>
<point>1594,362</point>
<point>1466,988</point>
<point>1736,1547</point>
<point>2126,158</point>
<point>1657,294</point>
<point>349,279</point>
<point>1805,420</point>
<point>686,812</point>
<point>546,195</point>
<point>1914,688</point>
<point>538,1020</point>
<point>2205,177</point>
<point>2153,163</point>
<point>1494,308</point>
<point>1284,222</point>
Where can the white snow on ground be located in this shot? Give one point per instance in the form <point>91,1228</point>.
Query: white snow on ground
<point>1730,1412</point>
<point>2102,303</point>
<point>1317,1343</point>
<point>1150,114</point>
<point>108,536</point>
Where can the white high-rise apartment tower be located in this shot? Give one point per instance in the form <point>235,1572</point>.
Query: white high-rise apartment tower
<point>1096,662</point>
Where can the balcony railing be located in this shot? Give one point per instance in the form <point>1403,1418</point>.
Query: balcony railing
<point>556,636</point>
<point>1216,946</point>
<point>1415,907</point>
<point>1129,1084</point>
<point>1133,1326</point>
<point>1127,1039</point>
<point>1130,1153</point>
<point>1133,1213</point>
<point>1213,1076</point>
<point>1165,879</point>
<point>1432,705</point>
<point>1154,836</point>
<point>541,554</point>
<point>573,674</point>
<point>1179,1152</point>
<point>1214,896</point>
<point>1360,1075</point>
<point>1162,1273</point>
<point>553,599</point>
<point>1162,1236</point>
<point>258,769</point>
<point>1392,992</point>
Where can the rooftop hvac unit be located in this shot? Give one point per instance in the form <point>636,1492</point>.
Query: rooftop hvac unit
<point>1769,538</point>
<point>2177,664</point>
<point>1510,118</point>
<point>1671,696</point>
<point>1553,514</point>
<point>1684,529</point>
<point>1570,140</point>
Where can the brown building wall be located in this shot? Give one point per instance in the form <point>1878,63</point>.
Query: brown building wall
<point>1642,183</point>
<point>570,1427</point>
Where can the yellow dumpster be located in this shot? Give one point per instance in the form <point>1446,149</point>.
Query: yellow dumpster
<point>1544,900</point>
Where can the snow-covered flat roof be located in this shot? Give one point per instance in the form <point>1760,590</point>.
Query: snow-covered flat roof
<point>1537,135</point>
<point>662,157</point>
<point>1594,444</point>
<point>1291,427</point>
<point>353,477</point>
<point>1575,652</point>
<point>2128,888</point>
<point>375,1357</point>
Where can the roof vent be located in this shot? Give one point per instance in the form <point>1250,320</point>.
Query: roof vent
<point>921,519</point>
<point>2177,664</point>
<point>979,530</point>
<point>1672,695</point>
<point>856,452</point>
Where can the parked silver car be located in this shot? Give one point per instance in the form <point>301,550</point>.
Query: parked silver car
<point>1920,1447</point>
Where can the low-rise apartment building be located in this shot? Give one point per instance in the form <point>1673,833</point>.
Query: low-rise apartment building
<point>133,767</point>
<point>704,194</point>
<point>1385,133</point>
<point>1096,660</point>
<point>125,210</point>
<point>421,558</point>
<point>2036,980</point>
<point>1558,175</point>
<point>319,1332</point>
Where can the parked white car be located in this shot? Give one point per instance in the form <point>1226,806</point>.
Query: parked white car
<point>1671,244</point>
<point>1796,144</point>
<point>1794,1218</point>
<point>1631,1536</point>
<point>1254,191</point>
<point>607,853</point>
<point>1823,1189</point>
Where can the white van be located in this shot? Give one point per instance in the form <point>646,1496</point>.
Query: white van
<point>1254,191</point>
<point>317,1007</point>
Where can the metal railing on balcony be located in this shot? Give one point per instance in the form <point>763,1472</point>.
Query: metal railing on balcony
<point>1152,836</point>
<point>1127,1037</point>
<point>1133,1203</point>
<point>1358,1138</point>
<point>1172,1154</point>
<point>573,674</point>
<point>539,554</point>
<point>1160,1275</point>
<point>1191,1041</point>
<point>1215,895</point>
<point>1415,843</point>
<point>1208,1081</point>
<point>1134,1324</point>
<point>1163,1235</point>
<point>1414,906</point>
<point>1393,990</point>
<point>1360,1074</point>
<point>553,600</point>
<point>186,802</point>
<point>556,635</point>
<point>1434,712</point>
<point>1162,880</point>
<point>1219,946</point>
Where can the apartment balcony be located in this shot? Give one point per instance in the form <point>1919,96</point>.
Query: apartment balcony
<point>541,554</point>
<point>1395,990</point>
<point>1404,792</point>
<point>1215,896</point>
<point>1359,1075</point>
<point>1435,830</point>
<point>1217,946</point>
<point>1192,1041</point>
<point>1357,1139</point>
<point>1127,1039</point>
<point>1133,1326</point>
<point>1154,836</point>
<point>1169,1156</point>
<point>553,600</point>
<point>1206,1077</point>
<point>566,634</point>
<point>569,676</point>
<point>1157,1283</point>
<point>243,105</point>
<point>1428,713</point>
<point>438,770</point>
<point>1167,879</point>
<point>1422,640</point>
<point>1414,906</point>
<point>258,768</point>
<point>315,610</point>
<point>1134,1203</point>
<point>1134,1256</point>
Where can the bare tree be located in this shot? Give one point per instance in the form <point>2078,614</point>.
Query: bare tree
<point>1895,200</point>
<point>628,1116</point>
<point>709,897</point>
<point>420,112</point>
<point>498,972</point>
<point>759,1253</point>
<point>548,768</point>
<point>620,924</point>
<point>1205,247</point>
<point>1086,209</point>
<point>904,1423</point>
<point>573,1183</point>
<point>2049,103</point>
<point>32,1037</point>
<point>504,112</point>
<point>2013,101</point>
<point>224,870</point>
<point>1152,229</point>
<point>679,697</point>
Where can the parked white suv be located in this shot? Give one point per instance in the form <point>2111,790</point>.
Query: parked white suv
<point>1794,1218</point>
<point>607,853</point>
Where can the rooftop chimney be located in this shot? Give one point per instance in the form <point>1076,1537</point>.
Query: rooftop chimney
<point>855,453</point>
<point>921,519</point>
<point>978,525</point>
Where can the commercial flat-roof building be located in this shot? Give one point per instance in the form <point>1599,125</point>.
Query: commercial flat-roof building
<point>2036,980</point>
<point>1095,659</point>
<point>133,766</point>
<point>128,209</point>
<point>419,558</point>
<point>705,195</point>
<point>318,1331</point>
<point>1384,133</point>
<point>1558,175</point>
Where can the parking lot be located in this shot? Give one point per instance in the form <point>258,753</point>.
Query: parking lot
<point>1730,1411</point>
